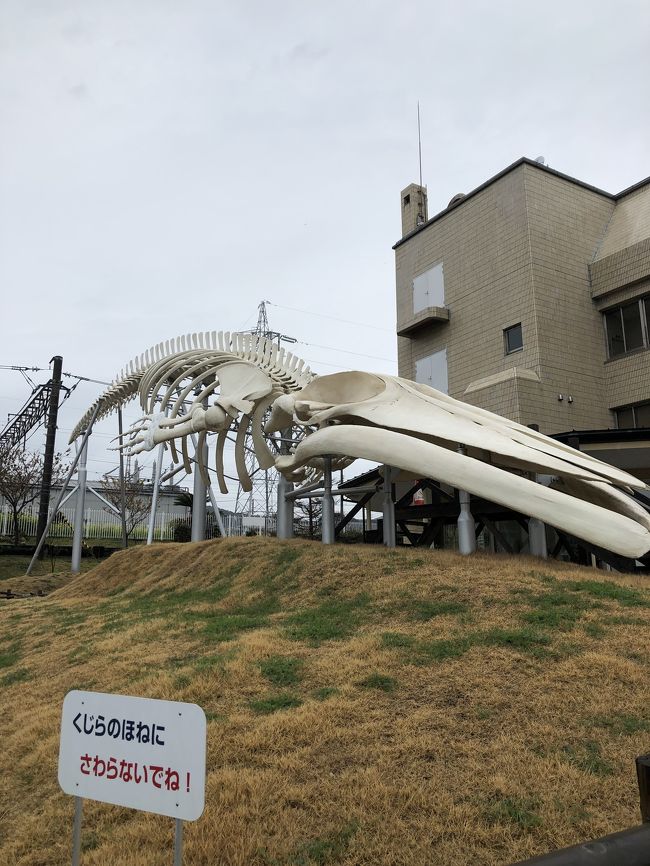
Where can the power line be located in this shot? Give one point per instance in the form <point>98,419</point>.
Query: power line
<point>333,318</point>
<point>345,351</point>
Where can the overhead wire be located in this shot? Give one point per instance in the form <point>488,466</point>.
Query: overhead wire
<point>345,351</point>
<point>333,318</point>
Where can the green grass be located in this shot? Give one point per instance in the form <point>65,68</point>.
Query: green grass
<point>396,640</point>
<point>378,681</point>
<point>594,629</point>
<point>17,676</point>
<point>324,693</point>
<point>427,652</point>
<point>526,640</point>
<point>422,610</point>
<point>10,655</point>
<point>555,610</point>
<point>266,706</point>
<point>224,626</point>
<point>513,810</point>
<point>216,660</point>
<point>334,619</point>
<point>523,639</point>
<point>608,591</point>
<point>282,670</point>
<point>587,757</point>
<point>325,849</point>
<point>625,725</point>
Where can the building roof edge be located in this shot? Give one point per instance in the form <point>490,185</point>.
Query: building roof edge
<point>524,160</point>
<point>633,188</point>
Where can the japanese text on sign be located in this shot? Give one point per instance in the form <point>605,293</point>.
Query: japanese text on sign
<point>138,752</point>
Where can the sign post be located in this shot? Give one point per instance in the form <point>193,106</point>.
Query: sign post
<point>138,752</point>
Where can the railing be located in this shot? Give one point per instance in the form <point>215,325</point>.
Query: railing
<point>100,525</point>
<point>627,848</point>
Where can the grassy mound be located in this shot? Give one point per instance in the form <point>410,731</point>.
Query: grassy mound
<point>364,706</point>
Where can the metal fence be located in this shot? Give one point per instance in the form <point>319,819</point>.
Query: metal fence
<point>101,525</point>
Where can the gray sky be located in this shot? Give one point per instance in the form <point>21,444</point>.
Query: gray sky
<point>164,166</point>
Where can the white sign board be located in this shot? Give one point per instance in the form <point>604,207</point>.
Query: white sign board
<point>136,752</point>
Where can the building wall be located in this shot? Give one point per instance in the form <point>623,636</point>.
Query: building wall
<point>566,223</point>
<point>484,247</point>
<point>620,273</point>
<point>538,248</point>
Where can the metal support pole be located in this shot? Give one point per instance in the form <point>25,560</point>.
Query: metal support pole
<point>285,503</point>
<point>76,831</point>
<point>285,509</point>
<point>537,529</point>
<point>327,518</point>
<point>50,440</point>
<point>466,526</point>
<point>125,532</point>
<point>537,538</point>
<point>41,540</point>
<point>643,778</point>
<point>199,494</point>
<point>627,848</point>
<point>178,843</point>
<point>79,508</point>
<point>388,508</point>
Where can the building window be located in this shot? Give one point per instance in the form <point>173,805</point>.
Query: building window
<point>626,327</point>
<point>429,289</point>
<point>432,371</point>
<point>513,339</point>
<point>633,416</point>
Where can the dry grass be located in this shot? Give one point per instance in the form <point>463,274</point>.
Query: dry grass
<point>365,706</point>
<point>48,574</point>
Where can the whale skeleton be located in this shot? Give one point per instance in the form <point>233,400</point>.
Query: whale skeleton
<point>245,385</point>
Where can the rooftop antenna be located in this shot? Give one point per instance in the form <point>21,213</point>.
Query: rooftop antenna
<point>419,143</point>
<point>422,214</point>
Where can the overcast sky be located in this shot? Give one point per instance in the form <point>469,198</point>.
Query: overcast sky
<point>164,166</point>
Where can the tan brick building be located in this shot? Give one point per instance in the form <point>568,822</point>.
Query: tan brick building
<point>530,297</point>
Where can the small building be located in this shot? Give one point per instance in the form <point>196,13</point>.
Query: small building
<point>530,297</point>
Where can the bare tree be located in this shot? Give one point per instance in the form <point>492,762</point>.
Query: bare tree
<point>311,509</point>
<point>20,480</point>
<point>136,505</point>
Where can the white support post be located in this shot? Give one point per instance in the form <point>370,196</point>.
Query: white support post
<point>64,486</point>
<point>80,505</point>
<point>388,508</point>
<point>328,532</point>
<point>466,525</point>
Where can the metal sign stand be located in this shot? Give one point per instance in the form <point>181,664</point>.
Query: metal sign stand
<point>178,843</point>
<point>76,831</point>
<point>76,836</point>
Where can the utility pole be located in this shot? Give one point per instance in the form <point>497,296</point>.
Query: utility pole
<point>48,459</point>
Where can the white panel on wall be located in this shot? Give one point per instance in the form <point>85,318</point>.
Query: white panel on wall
<point>429,289</point>
<point>432,371</point>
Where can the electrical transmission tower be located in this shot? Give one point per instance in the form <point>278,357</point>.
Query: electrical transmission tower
<point>260,501</point>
